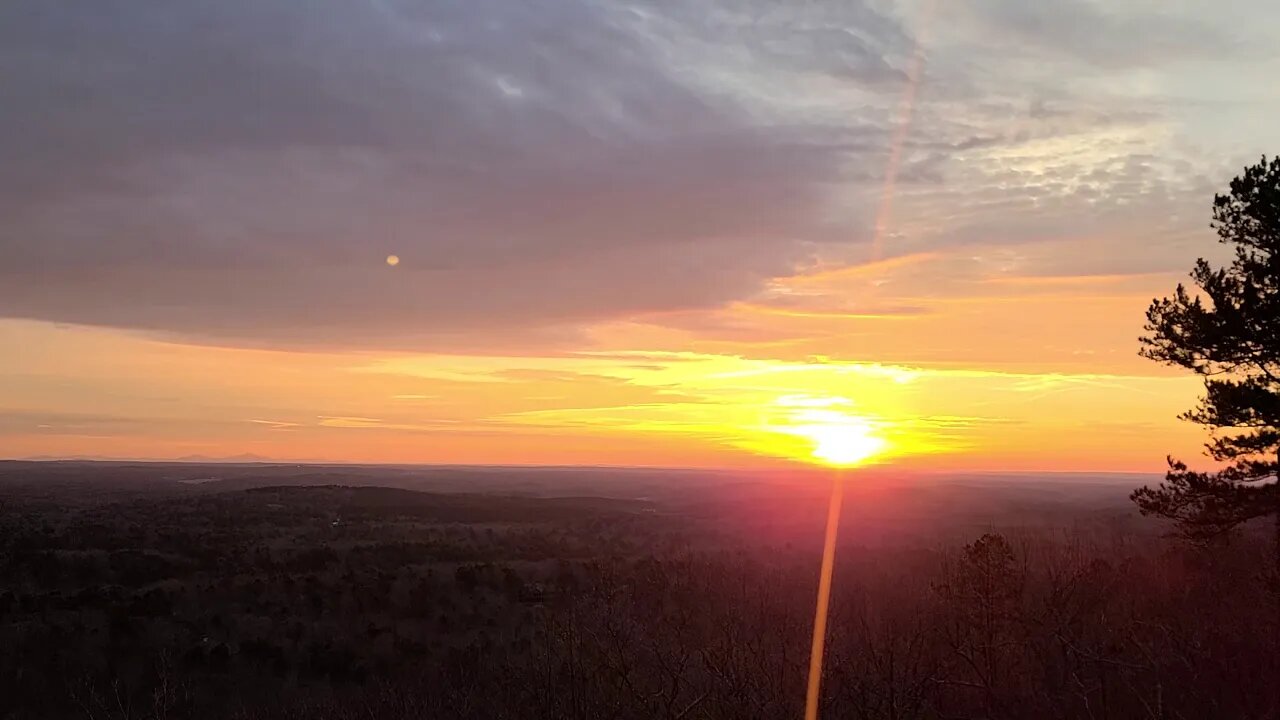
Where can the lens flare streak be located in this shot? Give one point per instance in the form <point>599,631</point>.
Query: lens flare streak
<point>851,450</point>
<point>824,597</point>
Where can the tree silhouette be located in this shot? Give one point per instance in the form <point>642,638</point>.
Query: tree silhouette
<point>1228,332</point>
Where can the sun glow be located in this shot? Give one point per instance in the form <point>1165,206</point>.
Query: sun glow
<point>834,436</point>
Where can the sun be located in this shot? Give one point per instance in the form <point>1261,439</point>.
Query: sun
<point>845,444</point>
<point>833,436</point>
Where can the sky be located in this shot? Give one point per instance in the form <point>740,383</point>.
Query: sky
<point>719,233</point>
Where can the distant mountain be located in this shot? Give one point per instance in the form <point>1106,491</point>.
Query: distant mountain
<point>197,459</point>
<point>69,458</point>
<point>244,458</point>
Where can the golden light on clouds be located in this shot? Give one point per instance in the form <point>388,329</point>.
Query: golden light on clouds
<point>607,407</point>
<point>661,299</point>
<point>751,411</point>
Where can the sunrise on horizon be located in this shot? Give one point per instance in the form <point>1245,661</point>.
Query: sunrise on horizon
<point>409,236</point>
<point>420,358</point>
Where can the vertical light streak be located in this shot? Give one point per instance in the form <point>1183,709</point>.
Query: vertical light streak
<point>906,109</point>
<point>824,595</point>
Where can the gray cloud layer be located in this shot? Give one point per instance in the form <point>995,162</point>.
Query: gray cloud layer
<point>241,168</point>
<point>238,169</point>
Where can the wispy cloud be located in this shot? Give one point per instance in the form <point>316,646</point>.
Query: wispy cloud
<point>276,424</point>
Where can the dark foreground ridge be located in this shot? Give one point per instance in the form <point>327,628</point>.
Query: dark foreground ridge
<point>157,598</point>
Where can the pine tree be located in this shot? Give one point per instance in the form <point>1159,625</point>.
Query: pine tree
<point>1228,333</point>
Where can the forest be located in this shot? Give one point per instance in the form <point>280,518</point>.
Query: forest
<point>277,594</point>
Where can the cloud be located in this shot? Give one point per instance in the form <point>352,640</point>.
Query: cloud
<point>281,425</point>
<point>15,422</point>
<point>238,171</point>
<point>1104,34</point>
<point>19,421</point>
<point>241,170</point>
<point>757,41</point>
